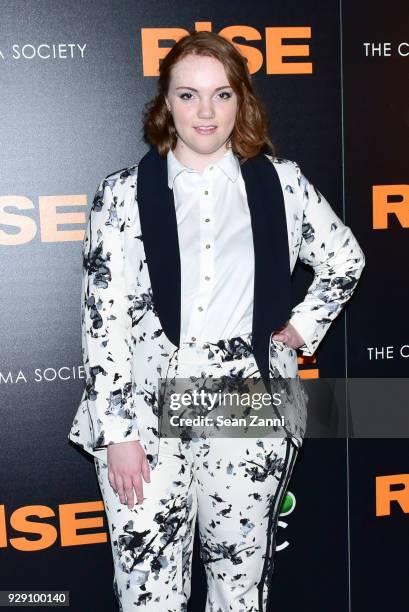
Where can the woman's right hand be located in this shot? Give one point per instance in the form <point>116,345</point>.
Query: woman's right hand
<point>127,463</point>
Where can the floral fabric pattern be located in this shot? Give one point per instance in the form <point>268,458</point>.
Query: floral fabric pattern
<point>125,350</point>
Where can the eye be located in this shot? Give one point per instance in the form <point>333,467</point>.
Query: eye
<point>227,93</point>
<point>186,93</point>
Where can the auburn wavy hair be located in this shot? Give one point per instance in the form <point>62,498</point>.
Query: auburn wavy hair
<point>250,132</point>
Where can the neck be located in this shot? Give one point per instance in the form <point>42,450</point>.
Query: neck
<point>197,161</point>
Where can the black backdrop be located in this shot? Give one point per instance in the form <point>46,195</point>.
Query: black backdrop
<point>68,120</point>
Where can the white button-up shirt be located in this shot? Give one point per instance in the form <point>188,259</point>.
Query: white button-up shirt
<point>216,249</point>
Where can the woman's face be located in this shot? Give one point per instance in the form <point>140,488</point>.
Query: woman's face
<point>200,96</point>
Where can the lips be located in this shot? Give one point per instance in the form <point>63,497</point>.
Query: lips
<point>206,129</point>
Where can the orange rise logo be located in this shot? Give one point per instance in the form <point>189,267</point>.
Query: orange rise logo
<point>67,524</point>
<point>390,200</point>
<point>275,50</point>
<point>392,488</point>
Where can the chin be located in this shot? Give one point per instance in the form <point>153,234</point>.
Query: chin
<point>210,147</point>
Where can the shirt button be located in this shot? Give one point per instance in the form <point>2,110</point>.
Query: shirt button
<point>200,308</point>
<point>207,277</point>
<point>193,338</point>
<point>206,192</point>
<point>207,220</point>
<point>211,168</point>
<point>207,246</point>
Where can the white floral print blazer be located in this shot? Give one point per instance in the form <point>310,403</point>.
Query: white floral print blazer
<point>131,290</point>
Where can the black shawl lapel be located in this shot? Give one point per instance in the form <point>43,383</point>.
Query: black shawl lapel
<point>272,276</point>
<point>160,238</point>
<point>272,268</point>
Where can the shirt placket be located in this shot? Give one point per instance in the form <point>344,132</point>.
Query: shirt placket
<point>201,301</point>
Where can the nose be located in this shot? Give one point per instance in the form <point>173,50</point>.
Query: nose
<point>206,109</point>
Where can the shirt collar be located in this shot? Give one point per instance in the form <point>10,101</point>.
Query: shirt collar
<point>228,163</point>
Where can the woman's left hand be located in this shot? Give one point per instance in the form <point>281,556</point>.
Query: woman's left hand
<point>289,335</point>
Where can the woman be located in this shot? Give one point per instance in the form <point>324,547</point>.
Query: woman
<point>187,263</point>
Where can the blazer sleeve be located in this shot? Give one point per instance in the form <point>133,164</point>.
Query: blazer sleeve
<point>106,322</point>
<point>331,249</point>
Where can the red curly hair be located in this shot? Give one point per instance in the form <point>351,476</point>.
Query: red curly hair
<point>250,132</point>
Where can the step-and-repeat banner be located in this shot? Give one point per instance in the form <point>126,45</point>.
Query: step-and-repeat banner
<point>74,80</point>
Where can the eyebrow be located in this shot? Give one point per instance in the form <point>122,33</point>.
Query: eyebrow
<point>196,90</point>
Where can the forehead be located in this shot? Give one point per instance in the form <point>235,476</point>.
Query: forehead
<point>199,72</point>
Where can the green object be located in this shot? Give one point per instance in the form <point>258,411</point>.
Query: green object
<point>287,504</point>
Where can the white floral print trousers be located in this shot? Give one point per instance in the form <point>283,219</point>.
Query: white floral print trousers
<point>234,487</point>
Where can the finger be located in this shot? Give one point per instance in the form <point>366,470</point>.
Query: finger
<point>138,486</point>
<point>120,488</point>
<point>279,337</point>
<point>128,486</point>
<point>111,479</point>
<point>146,470</point>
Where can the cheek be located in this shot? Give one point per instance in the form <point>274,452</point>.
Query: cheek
<point>182,114</point>
<point>229,114</point>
